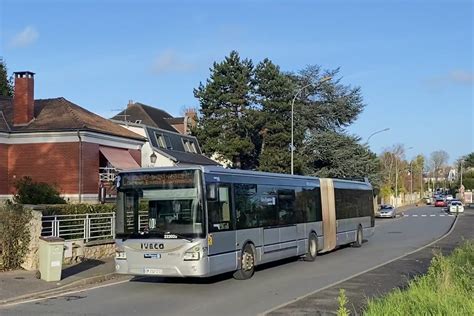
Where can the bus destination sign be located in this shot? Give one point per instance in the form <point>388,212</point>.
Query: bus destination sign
<point>185,178</point>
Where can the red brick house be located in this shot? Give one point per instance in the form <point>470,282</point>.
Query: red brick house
<point>58,142</point>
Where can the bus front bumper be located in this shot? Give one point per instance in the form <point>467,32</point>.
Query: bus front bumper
<point>182,269</point>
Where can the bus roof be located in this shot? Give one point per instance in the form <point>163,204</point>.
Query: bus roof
<point>239,172</point>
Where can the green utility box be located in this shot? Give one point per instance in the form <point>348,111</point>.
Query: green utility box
<point>51,251</point>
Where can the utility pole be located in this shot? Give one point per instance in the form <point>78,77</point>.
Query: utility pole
<point>411,181</point>
<point>421,182</point>
<point>396,181</point>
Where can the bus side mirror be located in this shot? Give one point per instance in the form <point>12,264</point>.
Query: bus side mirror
<point>211,192</point>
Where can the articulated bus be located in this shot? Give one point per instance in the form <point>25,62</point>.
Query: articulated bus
<point>206,220</point>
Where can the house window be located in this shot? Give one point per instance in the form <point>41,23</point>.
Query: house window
<point>138,121</point>
<point>189,146</point>
<point>163,141</point>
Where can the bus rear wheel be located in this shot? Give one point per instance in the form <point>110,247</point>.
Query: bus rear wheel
<point>312,251</point>
<point>247,264</point>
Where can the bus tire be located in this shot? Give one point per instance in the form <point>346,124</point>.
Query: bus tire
<point>312,250</point>
<point>359,237</point>
<point>247,263</point>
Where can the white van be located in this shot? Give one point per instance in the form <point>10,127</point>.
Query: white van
<point>455,206</point>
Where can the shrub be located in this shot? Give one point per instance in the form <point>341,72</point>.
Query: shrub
<point>30,192</point>
<point>66,209</point>
<point>15,235</point>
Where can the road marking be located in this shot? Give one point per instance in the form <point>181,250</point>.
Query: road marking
<point>414,215</point>
<point>424,215</point>
<point>360,273</point>
<point>432,215</point>
<point>441,215</point>
<point>406,215</point>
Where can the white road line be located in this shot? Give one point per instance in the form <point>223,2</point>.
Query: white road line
<point>405,215</point>
<point>424,215</point>
<point>415,215</point>
<point>441,215</point>
<point>432,215</point>
<point>450,215</point>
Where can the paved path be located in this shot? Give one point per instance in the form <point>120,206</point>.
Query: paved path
<point>271,286</point>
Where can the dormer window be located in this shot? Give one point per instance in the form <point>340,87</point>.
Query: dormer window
<point>189,146</point>
<point>163,141</point>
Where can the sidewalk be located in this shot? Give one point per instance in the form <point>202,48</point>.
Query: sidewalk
<point>20,284</point>
<point>381,280</point>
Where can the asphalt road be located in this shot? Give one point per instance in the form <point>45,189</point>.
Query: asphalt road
<point>271,286</point>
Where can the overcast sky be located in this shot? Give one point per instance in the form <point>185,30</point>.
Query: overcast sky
<point>412,59</point>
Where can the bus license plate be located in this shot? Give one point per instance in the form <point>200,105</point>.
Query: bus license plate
<point>152,255</point>
<point>153,271</point>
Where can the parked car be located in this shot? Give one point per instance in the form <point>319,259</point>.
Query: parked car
<point>440,203</point>
<point>386,211</point>
<point>455,206</point>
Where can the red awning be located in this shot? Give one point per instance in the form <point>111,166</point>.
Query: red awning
<point>119,158</point>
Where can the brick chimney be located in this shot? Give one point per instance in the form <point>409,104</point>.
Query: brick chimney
<point>24,99</point>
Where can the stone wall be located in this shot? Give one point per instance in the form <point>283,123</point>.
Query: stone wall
<point>92,250</point>
<point>31,261</point>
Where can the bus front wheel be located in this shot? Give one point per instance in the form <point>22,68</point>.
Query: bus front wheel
<point>312,251</point>
<point>247,264</point>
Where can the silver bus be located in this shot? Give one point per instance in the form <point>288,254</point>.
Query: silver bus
<point>206,220</point>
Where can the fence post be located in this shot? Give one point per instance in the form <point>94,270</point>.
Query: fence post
<point>56,232</point>
<point>112,225</point>
<point>53,227</point>
<point>86,228</point>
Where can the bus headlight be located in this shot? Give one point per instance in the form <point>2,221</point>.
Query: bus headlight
<point>192,254</point>
<point>120,254</point>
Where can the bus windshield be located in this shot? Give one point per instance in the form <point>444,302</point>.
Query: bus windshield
<point>166,205</point>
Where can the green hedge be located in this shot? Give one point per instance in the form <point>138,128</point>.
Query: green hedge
<point>14,235</point>
<point>66,209</point>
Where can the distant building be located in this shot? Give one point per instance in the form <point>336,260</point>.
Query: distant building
<point>58,142</point>
<point>168,140</point>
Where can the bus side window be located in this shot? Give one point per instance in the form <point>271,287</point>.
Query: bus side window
<point>219,210</point>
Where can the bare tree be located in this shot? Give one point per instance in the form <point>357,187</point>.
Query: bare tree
<point>438,160</point>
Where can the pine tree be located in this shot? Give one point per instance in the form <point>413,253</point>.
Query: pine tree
<point>6,86</point>
<point>226,126</point>
<point>274,91</point>
<point>338,155</point>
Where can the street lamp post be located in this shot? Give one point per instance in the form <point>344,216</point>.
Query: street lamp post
<point>382,130</point>
<point>292,115</point>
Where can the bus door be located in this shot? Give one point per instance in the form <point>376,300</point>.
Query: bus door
<point>221,230</point>
<point>287,220</point>
<point>280,233</point>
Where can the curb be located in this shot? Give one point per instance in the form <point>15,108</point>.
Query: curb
<point>63,288</point>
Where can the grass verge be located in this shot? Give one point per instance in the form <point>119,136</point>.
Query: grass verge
<point>446,289</point>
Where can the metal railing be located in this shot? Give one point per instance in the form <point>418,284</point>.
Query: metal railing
<point>93,226</point>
